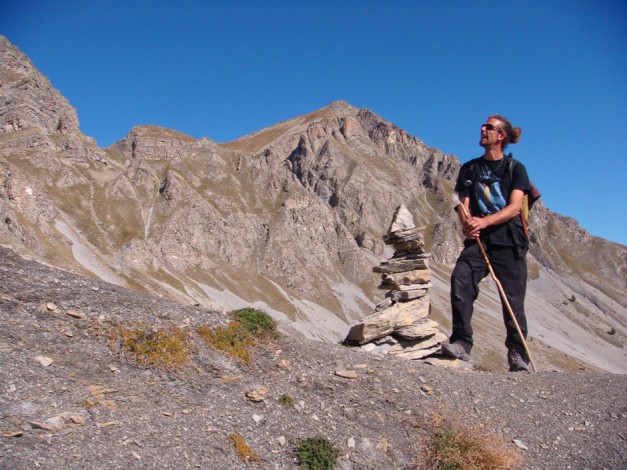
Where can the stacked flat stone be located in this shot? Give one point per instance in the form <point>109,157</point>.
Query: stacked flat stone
<point>401,324</point>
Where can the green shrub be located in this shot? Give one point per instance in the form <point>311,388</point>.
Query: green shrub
<point>286,401</point>
<point>316,453</point>
<point>258,322</point>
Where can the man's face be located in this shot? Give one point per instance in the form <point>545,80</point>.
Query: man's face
<point>491,133</point>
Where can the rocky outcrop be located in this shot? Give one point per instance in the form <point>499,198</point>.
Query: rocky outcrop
<point>155,143</point>
<point>29,100</point>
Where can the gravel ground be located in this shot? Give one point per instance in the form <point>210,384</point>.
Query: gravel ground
<point>94,408</point>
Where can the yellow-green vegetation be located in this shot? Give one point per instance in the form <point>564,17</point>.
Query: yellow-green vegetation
<point>456,446</point>
<point>243,449</point>
<point>242,336</point>
<point>167,347</point>
<point>286,401</point>
<point>233,340</point>
<point>316,453</point>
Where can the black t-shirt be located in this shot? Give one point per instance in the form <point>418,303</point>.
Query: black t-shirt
<point>488,186</point>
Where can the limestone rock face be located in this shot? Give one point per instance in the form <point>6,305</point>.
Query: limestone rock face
<point>29,99</point>
<point>154,143</point>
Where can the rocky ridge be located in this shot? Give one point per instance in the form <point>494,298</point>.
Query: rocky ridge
<point>289,219</point>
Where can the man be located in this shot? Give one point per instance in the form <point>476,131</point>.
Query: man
<point>493,196</point>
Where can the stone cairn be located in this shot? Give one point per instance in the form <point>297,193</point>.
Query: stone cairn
<point>400,324</point>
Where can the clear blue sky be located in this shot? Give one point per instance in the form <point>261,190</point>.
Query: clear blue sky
<point>223,69</point>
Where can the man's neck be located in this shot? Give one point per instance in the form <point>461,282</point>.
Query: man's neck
<point>493,153</point>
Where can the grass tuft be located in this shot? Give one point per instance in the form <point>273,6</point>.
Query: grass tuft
<point>243,450</point>
<point>233,340</point>
<point>286,401</point>
<point>242,336</point>
<point>316,453</point>
<point>166,347</point>
<point>456,446</point>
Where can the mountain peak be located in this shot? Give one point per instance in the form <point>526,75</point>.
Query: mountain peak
<point>334,110</point>
<point>29,98</point>
<point>341,107</point>
<point>150,130</point>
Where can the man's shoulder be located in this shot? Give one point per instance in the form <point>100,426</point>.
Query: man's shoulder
<point>513,163</point>
<point>516,167</point>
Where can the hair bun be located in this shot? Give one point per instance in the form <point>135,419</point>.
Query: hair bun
<point>515,136</point>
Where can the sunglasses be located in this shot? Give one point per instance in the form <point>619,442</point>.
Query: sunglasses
<point>490,127</point>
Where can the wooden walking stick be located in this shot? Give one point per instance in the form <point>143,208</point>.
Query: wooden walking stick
<point>463,216</point>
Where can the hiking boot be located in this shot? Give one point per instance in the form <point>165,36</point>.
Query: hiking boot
<point>456,350</point>
<point>516,361</point>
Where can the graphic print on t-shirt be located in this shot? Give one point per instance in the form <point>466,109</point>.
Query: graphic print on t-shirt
<point>488,193</point>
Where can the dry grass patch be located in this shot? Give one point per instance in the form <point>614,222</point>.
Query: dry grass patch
<point>233,340</point>
<point>456,445</point>
<point>249,329</point>
<point>166,347</point>
<point>243,450</point>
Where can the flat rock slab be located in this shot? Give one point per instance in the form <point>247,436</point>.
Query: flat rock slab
<point>380,324</point>
<point>395,280</point>
<point>402,265</point>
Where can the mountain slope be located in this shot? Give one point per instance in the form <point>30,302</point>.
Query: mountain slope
<point>73,398</point>
<point>290,219</point>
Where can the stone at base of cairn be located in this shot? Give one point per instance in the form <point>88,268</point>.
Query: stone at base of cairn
<point>400,324</point>
<point>447,362</point>
<point>393,318</point>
